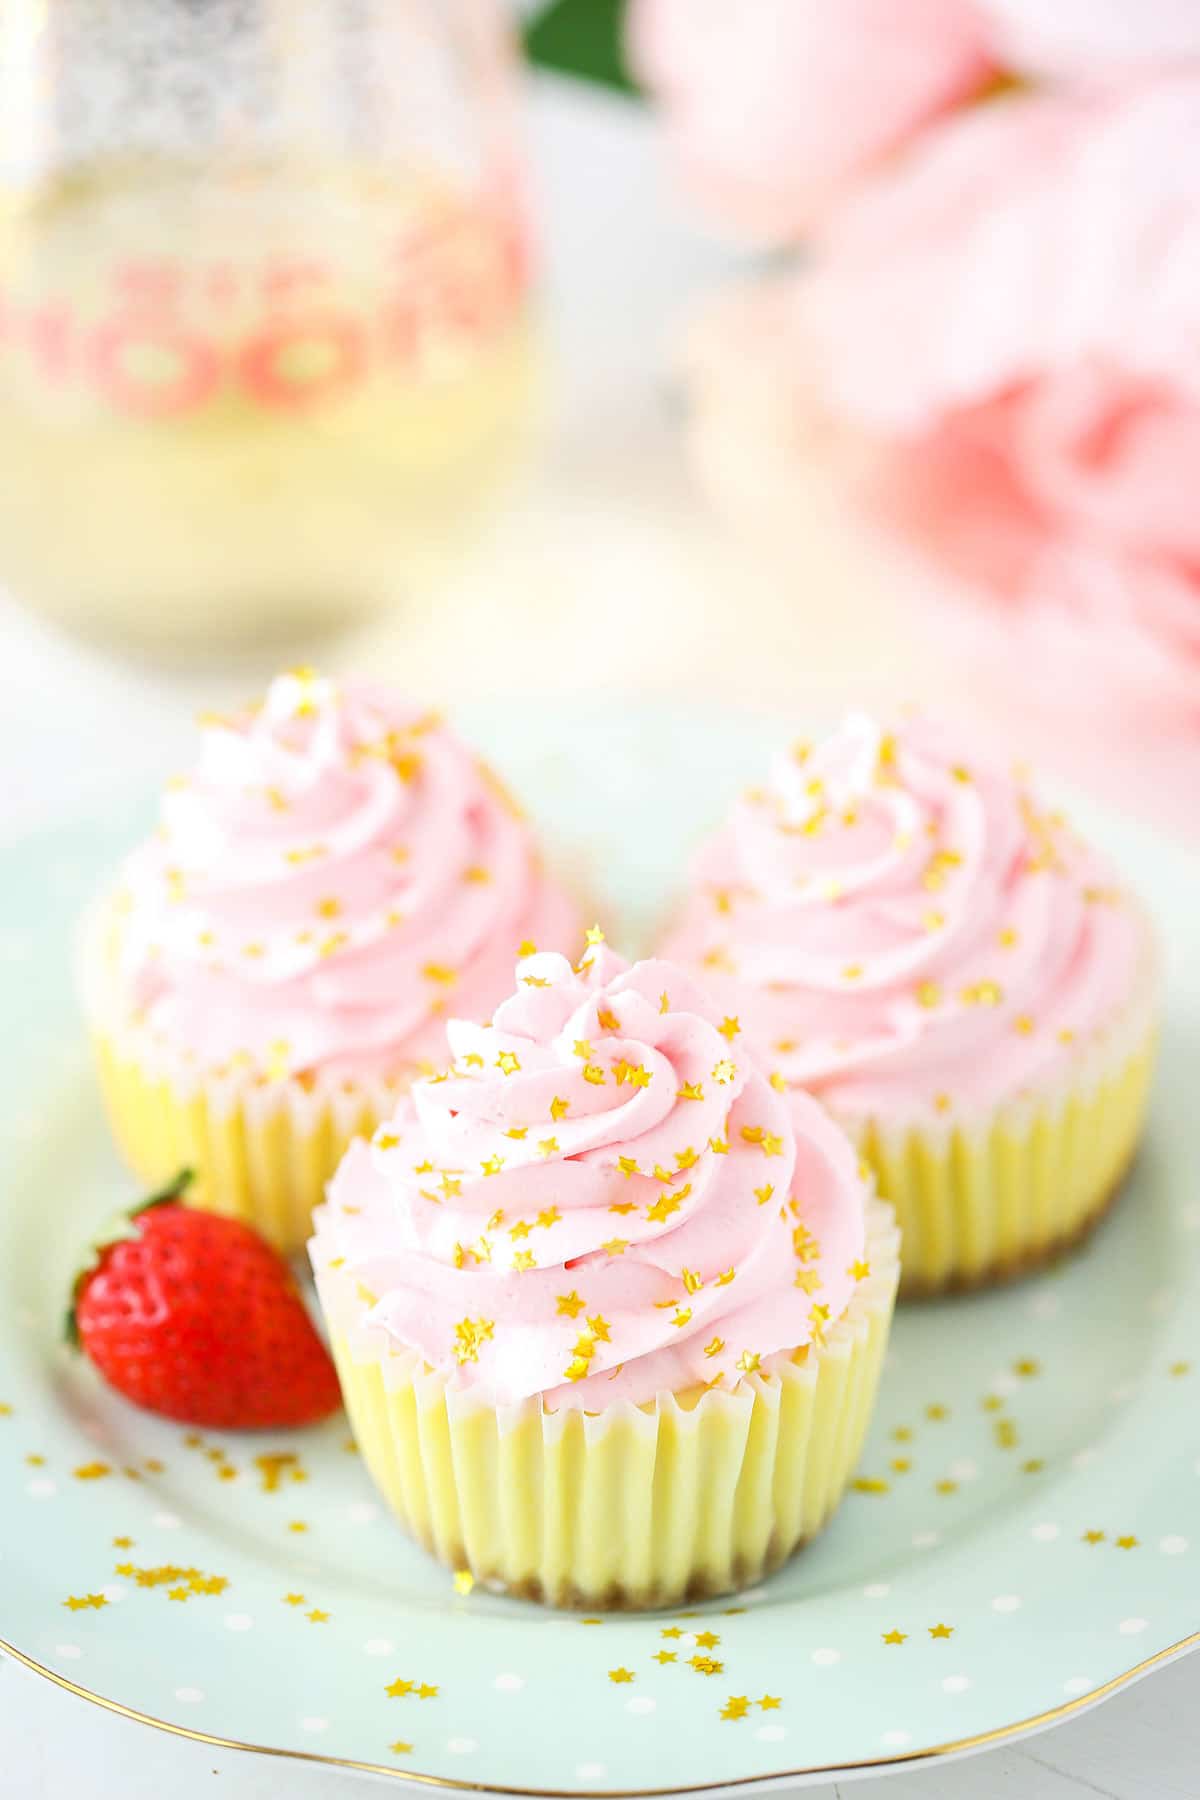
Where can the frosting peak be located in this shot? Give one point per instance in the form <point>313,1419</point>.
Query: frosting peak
<point>603,1198</point>
<point>899,920</point>
<point>338,866</point>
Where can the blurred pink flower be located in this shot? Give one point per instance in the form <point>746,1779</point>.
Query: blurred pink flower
<point>1078,38</point>
<point>775,106</point>
<point>998,359</point>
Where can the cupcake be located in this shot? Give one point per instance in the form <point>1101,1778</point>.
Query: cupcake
<point>278,961</point>
<point>903,931</point>
<point>608,1309</point>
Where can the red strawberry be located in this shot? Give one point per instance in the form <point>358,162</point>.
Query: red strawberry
<point>196,1317</point>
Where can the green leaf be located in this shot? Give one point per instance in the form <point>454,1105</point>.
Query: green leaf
<point>583,38</point>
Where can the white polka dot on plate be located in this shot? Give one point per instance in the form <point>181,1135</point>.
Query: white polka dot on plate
<point>964,1469</point>
<point>1173,1546</point>
<point>823,1658</point>
<point>509,1684</point>
<point>955,1684</point>
<point>189,1694</point>
<point>68,1652</point>
<point>641,1703</point>
<point>926,1540</point>
<point>590,1771</point>
<point>1083,1459</point>
<point>1124,1390</point>
<point>1004,1383</point>
<point>895,1740</point>
<point>362,1512</point>
<point>771,1734</point>
<point>41,1488</point>
<point>1078,1684</point>
<point>1131,1627</point>
<point>1045,1533</point>
<point>1045,1306</point>
<point>238,1621</point>
<point>1006,1603</point>
<point>313,1723</point>
<point>461,1746</point>
<point>379,1646</point>
<point>114,1593</point>
<point>877,1590</point>
<point>167,1521</point>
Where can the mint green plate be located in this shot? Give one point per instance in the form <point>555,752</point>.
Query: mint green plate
<point>1026,1535</point>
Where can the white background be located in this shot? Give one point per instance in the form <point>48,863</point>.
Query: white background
<point>605,574</point>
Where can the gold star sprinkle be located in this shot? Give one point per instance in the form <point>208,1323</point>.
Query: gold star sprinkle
<point>508,1062</point>
<point>770,1703</point>
<point>492,1165</point>
<point>724,1072</point>
<point>598,1326</point>
<point>441,973</point>
<point>706,1665</point>
<point>894,1636</point>
<point>664,1656</point>
<point>929,994</point>
<point>1027,1366</point>
<point>464,1581</point>
<point>476,875</point>
<point>85,1602</point>
<point>937,1411</point>
<point>691,1279</point>
<point>469,1336</point>
<point>621,1676</point>
<point>1006,937</point>
<point>778,1082</point>
<point>941,1631</point>
<point>869,1484</point>
<point>714,1347</point>
<point>93,1471</point>
<point>329,908</point>
<point>297,1525</point>
<point>663,1207</point>
<point>400,1748</point>
<point>858,1271</point>
<point>1129,1542</point>
<point>293,1599</point>
<point>426,1692</point>
<point>317,1616</point>
<point>1023,1024</point>
<point>524,1259</point>
<point>772,1145</point>
<point>1092,1537</point>
<point>594,1074</point>
<point>946,1486</point>
<point>736,1707</point>
<point>982,993</point>
<point>558,1108</point>
<point>749,1361</point>
<point>399,1689</point>
<point>606,1019</point>
<point>707,1640</point>
<point>719,1146</point>
<point>764,1194</point>
<point>549,1216</point>
<point>729,1028</point>
<point>1179,1368</point>
<point>615,1246</point>
<point>682,1317</point>
<point>691,1090</point>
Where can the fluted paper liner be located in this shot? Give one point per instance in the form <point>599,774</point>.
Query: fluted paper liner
<point>980,1203</point>
<point>637,1506</point>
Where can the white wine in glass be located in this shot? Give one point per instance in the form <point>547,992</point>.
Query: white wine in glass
<point>265,341</point>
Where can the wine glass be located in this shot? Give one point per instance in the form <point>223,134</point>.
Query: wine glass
<point>264,322</point>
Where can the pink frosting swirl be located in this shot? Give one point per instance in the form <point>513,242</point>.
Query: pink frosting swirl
<point>337,872</point>
<point>901,928</point>
<point>604,1199</point>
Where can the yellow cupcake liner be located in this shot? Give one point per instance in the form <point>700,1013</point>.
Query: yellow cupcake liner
<point>692,1494</point>
<point>981,1204</point>
<point>262,1150</point>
